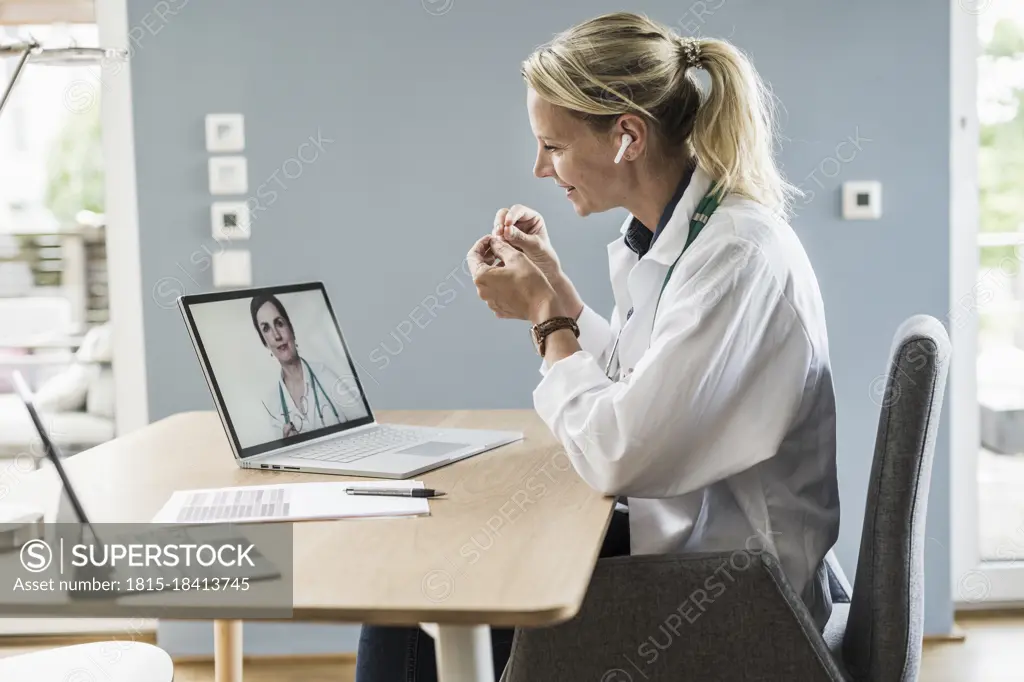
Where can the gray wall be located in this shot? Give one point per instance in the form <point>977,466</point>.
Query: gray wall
<point>429,136</point>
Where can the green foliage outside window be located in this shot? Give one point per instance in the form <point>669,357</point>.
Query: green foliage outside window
<point>75,167</point>
<point>1001,154</point>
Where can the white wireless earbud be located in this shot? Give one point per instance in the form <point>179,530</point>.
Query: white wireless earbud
<point>627,140</point>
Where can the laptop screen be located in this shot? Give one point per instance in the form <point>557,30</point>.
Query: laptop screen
<point>277,364</point>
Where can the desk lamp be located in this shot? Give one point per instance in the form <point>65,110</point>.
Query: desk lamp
<point>31,50</point>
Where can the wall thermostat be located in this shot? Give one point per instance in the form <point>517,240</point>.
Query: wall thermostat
<point>228,175</point>
<point>225,132</point>
<point>862,200</point>
<point>230,220</point>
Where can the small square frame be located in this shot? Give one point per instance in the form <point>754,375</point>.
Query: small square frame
<point>225,132</point>
<point>228,175</point>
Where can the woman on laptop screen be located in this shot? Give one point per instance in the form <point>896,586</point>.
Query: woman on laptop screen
<point>305,395</point>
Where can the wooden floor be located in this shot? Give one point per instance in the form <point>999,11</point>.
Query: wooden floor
<point>274,671</point>
<point>992,652</point>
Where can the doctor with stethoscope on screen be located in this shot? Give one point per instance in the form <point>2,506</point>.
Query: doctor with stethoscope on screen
<point>306,396</point>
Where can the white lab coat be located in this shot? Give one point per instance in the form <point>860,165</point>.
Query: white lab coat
<point>722,429</point>
<point>339,401</point>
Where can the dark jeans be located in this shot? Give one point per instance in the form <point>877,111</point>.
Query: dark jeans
<point>406,654</point>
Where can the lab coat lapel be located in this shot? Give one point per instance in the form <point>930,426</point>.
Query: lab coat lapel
<point>672,239</point>
<point>640,282</point>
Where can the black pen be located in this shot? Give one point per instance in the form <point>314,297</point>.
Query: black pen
<point>395,492</point>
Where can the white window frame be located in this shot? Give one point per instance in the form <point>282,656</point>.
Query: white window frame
<point>123,255</point>
<point>975,584</point>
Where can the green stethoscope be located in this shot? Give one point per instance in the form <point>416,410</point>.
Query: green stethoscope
<point>700,218</point>
<point>316,398</point>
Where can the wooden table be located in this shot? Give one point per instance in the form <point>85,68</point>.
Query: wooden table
<point>513,543</point>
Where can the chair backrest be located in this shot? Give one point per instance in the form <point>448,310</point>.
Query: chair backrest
<point>883,634</point>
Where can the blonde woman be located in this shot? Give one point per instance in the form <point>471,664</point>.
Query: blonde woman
<point>706,400</point>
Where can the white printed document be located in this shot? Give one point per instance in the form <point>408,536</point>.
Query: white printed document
<point>288,502</point>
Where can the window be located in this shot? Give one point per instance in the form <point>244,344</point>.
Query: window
<point>47,104</point>
<point>999,294</point>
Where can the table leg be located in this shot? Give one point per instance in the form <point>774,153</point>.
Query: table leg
<point>227,650</point>
<point>464,653</point>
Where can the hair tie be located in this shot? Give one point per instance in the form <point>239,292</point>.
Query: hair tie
<point>691,51</point>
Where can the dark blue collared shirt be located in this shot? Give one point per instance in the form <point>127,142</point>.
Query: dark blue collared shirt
<point>640,239</point>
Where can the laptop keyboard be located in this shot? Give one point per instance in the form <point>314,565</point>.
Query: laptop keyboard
<point>351,448</point>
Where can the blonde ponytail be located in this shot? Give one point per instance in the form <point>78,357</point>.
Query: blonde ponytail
<point>735,128</point>
<point>626,63</point>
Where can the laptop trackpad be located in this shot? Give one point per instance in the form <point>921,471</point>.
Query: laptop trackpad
<point>433,448</point>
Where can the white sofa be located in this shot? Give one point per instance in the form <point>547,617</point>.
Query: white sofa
<point>76,405</point>
<point>72,431</point>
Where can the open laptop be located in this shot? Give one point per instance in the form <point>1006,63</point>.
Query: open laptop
<point>70,510</point>
<point>289,396</point>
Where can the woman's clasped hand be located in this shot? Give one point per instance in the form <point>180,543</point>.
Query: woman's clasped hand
<point>516,271</point>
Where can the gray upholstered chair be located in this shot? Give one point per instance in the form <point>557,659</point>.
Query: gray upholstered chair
<point>735,617</point>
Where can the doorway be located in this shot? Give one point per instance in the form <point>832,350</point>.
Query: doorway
<point>55,286</point>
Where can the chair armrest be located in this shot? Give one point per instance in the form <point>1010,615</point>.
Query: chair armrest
<point>731,616</point>
<point>838,584</point>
